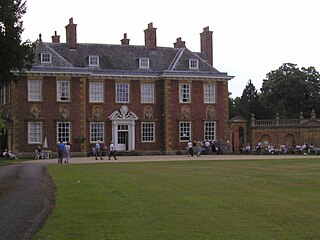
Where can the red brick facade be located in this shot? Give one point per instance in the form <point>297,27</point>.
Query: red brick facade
<point>169,68</point>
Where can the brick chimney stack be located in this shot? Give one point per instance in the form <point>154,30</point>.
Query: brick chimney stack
<point>206,44</point>
<point>71,34</point>
<point>150,37</point>
<point>179,43</point>
<point>125,40</point>
<point>55,38</point>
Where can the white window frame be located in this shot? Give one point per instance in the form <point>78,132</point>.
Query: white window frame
<point>193,64</point>
<point>63,91</point>
<point>185,130</point>
<point>34,90</point>
<point>144,63</point>
<point>94,61</point>
<point>209,131</point>
<point>209,93</point>
<point>122,92</point>
<point>148,132</point>
<point>45,57</point>
<point>63,131</point>
<point>35,132</point>
<point>96,92</point>
<point>184,93</point>
<point>147,92</point>
<point>97,130</point>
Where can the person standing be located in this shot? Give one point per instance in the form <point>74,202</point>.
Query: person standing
<point>60,147</point>
<point>190,149</point>
<point>112,151</point>
<point>67,152</point>
<point>98,150</point>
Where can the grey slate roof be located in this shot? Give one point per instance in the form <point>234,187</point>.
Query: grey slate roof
<point>122,59</point>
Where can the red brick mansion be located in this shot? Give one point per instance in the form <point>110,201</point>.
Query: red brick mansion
<point>147,99</point>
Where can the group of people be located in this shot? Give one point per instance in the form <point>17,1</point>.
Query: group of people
<point>8,155</point>
<point>207,147</point>
<point>63,152</point>
<point>98,151</point>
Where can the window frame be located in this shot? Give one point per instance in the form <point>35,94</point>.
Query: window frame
<point>207,136</point>
<point>185,132</point>
<point>144,63</point>
<point>183,91</point>
<point>145,96</point>
<point>122,96</point>
<point>59,91</point>
<point>193,64</point>
<point>46,58</point>
<point>33,97</point>
<point>206,95</point>
<point>94,95</point>
<point>67,134</point>
<point>31,126</point>
<point>97,135</point>
<point>146,135</point>
<point>94,61</point>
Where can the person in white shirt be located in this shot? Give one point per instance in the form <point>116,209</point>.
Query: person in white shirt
<point>112,151</point>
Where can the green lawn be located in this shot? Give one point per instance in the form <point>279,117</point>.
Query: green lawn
<point>265,199</point>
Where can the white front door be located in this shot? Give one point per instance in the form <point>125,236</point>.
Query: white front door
<point>122,139</point>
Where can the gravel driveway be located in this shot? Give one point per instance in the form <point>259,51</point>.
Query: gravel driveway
<point>26,199</point>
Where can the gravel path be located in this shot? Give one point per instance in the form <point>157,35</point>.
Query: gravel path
<point>26,199</point>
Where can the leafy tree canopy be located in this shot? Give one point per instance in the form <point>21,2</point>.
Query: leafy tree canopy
<point>15,55</point>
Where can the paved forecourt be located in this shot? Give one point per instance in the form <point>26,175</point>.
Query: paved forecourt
<point>150,158</point>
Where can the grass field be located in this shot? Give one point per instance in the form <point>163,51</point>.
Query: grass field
<point>263,199</point>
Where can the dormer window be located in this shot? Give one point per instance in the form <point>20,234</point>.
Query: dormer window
<point>45,57</point>
<point>144,63</point>
<point>193,64</point>
<point>94,61</point>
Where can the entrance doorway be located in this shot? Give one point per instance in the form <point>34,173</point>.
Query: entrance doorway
<point>122,141</point>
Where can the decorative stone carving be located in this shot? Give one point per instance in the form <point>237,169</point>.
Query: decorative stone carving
<point>210,112</point>
<point>148,112</point>
<point>35,112</point>
<point>64,111</point>
<point>313,114</point>
<point>124,110</point>
<point>96,112</point>
<point>185,112</point>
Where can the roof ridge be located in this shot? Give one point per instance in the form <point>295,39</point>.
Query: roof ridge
<point>176,59</point>
<point>62,58</point>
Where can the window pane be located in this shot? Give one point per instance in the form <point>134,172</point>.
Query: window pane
<point>147,93</point>
<point>185,131</point>
<point>35,132</point>
<point>209,93</point>
<point>185,93</point>
<point>209,131</point>
<point>34,90</point>
<point>122,92</point>
<point>63,131</point>
<point>96,131</point>
<point>96,92</point>
<point>63,91</point>
<point>147,132</point>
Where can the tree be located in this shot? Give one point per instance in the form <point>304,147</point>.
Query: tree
<point>248,103</point>
<point>290,90</point>
<point>15,55</point>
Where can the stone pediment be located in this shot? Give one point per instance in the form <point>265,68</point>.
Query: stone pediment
<point>238,119</point>
<point>311,123</point>
<point>123,114</point>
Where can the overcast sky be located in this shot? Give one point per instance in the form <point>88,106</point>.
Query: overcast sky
<point>250,37</point>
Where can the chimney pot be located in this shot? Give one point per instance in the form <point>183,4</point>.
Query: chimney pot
<point>150,37</point>
<point>125,40</point>
<point>206,44</point>
<point>55,38</point>
<point>71,34</point>
<point>179,43</point>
